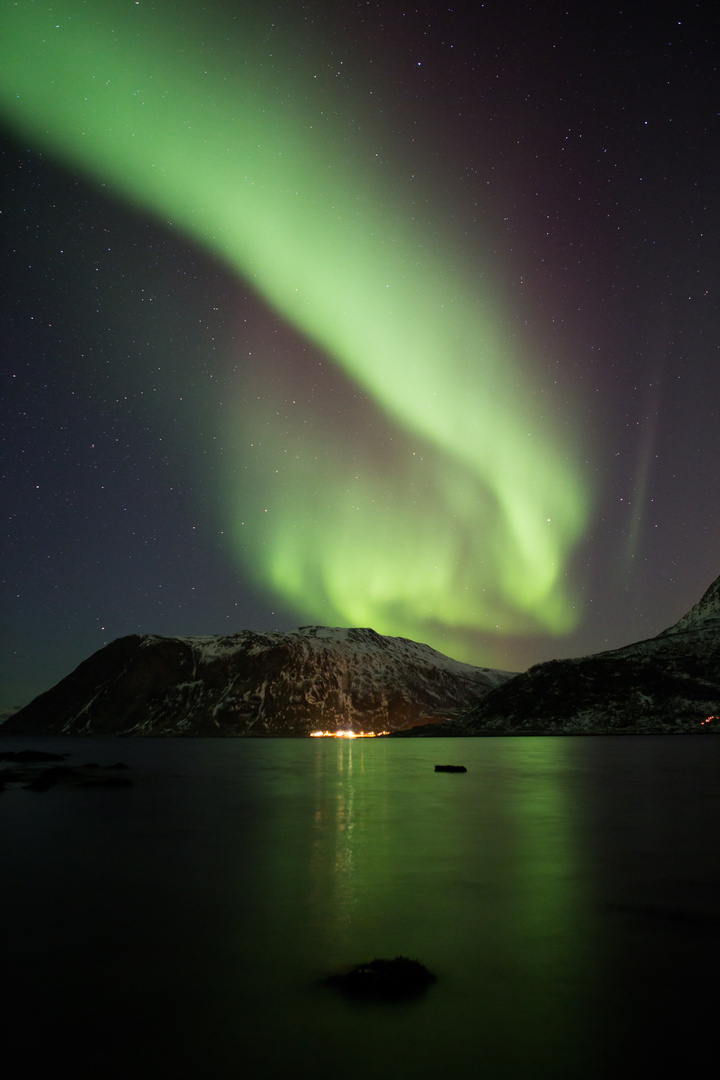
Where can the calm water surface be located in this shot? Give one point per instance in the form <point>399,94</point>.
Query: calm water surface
<point>566,892</point>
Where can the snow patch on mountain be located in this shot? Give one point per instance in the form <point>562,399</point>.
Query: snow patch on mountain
<point>705,615</point>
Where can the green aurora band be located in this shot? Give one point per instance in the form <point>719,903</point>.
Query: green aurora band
<point>469,530</point>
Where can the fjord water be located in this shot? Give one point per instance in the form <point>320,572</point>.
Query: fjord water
<point>564,891</point>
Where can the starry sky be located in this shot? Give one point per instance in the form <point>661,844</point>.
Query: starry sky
<point>359,314</point>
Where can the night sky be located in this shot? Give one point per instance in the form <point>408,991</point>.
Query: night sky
<point>358,314</point>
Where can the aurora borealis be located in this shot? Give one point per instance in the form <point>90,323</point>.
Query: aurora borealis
<point>496,509</point>
<point>424,335</point>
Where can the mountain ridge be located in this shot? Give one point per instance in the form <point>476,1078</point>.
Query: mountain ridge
<point>253,683</point>
<point>666,684</point>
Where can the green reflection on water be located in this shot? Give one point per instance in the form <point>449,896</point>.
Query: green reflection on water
<point>486,877</point>
<point>481,876</point>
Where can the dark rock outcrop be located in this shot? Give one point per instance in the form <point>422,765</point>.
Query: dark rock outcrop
<point>24,756</point>
<point>249,683</point>
<point>30,770</point>
<point>384,980</point>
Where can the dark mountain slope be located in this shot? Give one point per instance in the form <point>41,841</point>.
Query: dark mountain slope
<point>256,684</point>
<point>669,683</point>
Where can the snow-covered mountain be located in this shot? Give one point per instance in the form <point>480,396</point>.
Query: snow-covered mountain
<point>314,678</point>
<point>669,683</point>
<point>704,616</point>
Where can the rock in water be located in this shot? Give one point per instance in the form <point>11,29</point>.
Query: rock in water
<point>34,774</point>
<point>384,980</point>
<point>30,755</point>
